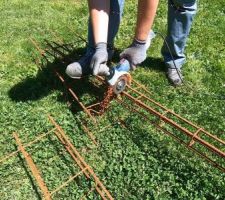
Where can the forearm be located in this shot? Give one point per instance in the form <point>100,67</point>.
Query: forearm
<point>145,17</point>
<point>99,12</point>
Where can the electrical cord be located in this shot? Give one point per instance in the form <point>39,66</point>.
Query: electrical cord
<point>170,52</point>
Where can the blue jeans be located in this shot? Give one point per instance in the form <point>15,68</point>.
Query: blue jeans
<point>180,17</point>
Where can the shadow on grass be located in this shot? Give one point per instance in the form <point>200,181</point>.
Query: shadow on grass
<point>57,57</point>
<point>155,64</point>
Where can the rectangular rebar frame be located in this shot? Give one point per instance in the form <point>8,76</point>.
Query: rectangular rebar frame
<point>85,169</point>
<point>42,52</point>
<point>141,101</point>
<point>168,117</point>
<point>175,121</point>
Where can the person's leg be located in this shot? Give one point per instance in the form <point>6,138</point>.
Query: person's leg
<point>116,10</point>
<point>180,18</point>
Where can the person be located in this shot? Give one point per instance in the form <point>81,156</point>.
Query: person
<point>104,21</point>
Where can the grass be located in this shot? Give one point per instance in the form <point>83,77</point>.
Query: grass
<point>139,163</point>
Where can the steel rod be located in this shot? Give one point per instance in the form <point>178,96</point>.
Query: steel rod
<point>74,150</point>
<point>212,162</point>
<point>90,134</point>
<point>68,181</point>
<point>27,145</point>
<point>72,155</point>
<point>75,97</point>
<point>171,122</point>
<point>33,168</point>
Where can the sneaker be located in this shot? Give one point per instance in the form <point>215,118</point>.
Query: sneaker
<point>175,76</point>
<point>82,66</point>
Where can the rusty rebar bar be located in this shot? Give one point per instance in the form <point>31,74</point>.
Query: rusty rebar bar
<point>175,125</point>
<point>26,145</point>
<point>145,117</point>
<point>90,134</point>
<point>80,159</point>
<point>75,97</point>
<point>36,173</point>
<point>68,181</point>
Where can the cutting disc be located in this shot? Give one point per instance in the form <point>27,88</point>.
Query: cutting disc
<point>121,83</point>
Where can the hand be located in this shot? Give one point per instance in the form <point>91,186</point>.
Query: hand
<point>100,57</point>
<point>135,53</point>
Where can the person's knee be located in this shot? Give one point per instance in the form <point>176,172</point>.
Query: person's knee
<point>184,5</point>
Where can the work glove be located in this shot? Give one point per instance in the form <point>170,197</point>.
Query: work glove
<point>135,53</point>
<point>100,57</point>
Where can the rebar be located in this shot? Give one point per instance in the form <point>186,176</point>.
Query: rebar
<point>137,95</point>
<point>85,169</point>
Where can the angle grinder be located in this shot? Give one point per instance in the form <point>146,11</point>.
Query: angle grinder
<point>117,77</point>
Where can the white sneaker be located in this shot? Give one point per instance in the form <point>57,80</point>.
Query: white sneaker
<point>81,67</point>
<point>175,76</point>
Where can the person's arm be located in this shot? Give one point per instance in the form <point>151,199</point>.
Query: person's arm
<point>136,52</point>
<point>145,17</point>
<point>99,13</point>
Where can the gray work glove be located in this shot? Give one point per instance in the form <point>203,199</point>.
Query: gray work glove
<point>135,53</point>
<point>100,57</point>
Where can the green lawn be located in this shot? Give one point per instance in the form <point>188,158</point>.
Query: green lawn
<point>135,163</point>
